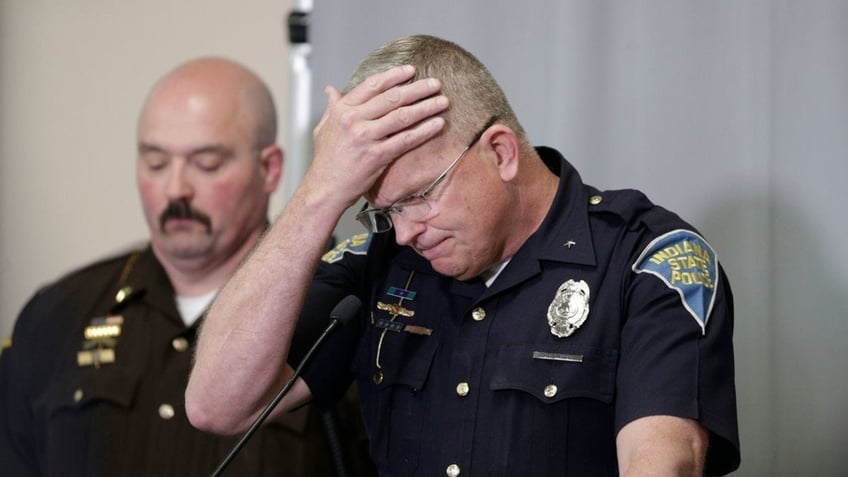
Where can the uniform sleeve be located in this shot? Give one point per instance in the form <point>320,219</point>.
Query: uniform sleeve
<point>329,372</point>
<point>18,430</point>
<point>676,351</point>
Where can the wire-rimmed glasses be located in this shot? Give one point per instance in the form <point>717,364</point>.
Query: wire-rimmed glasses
<point>415,207</point>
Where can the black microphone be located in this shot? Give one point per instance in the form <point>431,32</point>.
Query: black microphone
<point>343,313</point>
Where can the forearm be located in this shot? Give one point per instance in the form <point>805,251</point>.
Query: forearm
<point>662,446</point>
<point>243,346</point>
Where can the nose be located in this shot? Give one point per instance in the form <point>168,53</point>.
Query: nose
<point>178,185</point>
<point>407,230</point>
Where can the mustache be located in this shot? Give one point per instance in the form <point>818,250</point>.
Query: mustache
<point>182,209</point>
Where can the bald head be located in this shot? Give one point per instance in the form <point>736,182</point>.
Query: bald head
<point>220,84</point>
<point>207,165</point>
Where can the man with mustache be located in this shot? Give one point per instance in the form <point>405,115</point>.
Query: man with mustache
<point>94,380</point>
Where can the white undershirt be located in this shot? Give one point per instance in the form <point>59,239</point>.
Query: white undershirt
<point>492,273</point>
<point>192,307</point>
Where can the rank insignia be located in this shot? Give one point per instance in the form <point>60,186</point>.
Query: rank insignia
<point>569,308</point>
<point>687,264</point>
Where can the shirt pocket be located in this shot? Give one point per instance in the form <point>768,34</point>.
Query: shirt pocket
<point>398,410</point>
<point>555,404</point>
<point>551,373</point>
<point>85,387</point>
<point>89,414</point>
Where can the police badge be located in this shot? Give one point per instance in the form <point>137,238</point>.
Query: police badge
<point>569,309</point>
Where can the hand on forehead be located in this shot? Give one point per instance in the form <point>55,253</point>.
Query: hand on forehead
<point>365,130</point>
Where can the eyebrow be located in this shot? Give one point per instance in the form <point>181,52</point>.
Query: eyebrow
<point>219,149</point>
<point>145,147</point>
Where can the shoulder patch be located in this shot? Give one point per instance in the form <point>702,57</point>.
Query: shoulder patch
<point>687,264</point>
<point>357,245</point>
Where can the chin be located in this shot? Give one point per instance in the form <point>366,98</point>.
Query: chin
<point>183,249</point>
<point>452,270</point>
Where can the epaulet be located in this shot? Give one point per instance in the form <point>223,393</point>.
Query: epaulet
<point>357,245</point>
<point>118,256</point>
<point>625,203</point>
<point>7,343</point>
<point>91,270</point>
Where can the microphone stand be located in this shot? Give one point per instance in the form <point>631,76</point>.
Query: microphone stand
<point>342,313</point>
<point>299,134</point>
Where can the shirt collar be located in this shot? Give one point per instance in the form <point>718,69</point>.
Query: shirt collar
<point>148,281</point>
<point>565,235</point>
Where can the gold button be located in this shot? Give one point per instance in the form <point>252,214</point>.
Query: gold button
<point>166,411</point>
<point>462,389</point>
<point>122,294</point>
<point>551,390</point>
<point>479,314</point>
<point>78,395</point>
<point>452,470</point>
<point>595,200</point>
<point>180,344</point>
<point>378,377</point>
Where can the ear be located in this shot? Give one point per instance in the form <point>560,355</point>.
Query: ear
<point>503,141</point>
<point>271,166</point>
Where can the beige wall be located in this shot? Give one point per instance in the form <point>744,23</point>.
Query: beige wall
<point>72,78</point>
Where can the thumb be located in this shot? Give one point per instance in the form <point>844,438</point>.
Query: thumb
<point>333,96</point>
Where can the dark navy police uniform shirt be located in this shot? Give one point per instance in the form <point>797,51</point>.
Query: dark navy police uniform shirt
<point>615,309</point>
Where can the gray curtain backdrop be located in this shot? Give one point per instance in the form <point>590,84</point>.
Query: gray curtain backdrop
<point>732,113</point>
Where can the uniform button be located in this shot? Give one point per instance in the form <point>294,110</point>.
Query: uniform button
<point>462,389</point>
<point>378,377</point>
<point>479,314</point>
<point>166,411</point>
<point>180,344</point>
<point>452,470</point>
<point>78,395</point>
<point>551,390</point>
<point>595,200</point>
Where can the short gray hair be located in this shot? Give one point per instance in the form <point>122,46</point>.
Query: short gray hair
<point>474,94</point>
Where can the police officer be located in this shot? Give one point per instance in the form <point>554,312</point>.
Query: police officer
<point>515,321</point>
<point>93,383</point>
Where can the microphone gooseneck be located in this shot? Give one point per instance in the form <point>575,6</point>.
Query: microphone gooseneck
<point>345,310</point>
<point>342,313</point>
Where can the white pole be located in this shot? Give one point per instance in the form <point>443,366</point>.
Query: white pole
<point>299,138</point>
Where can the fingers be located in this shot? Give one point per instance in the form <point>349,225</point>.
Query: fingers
<point>410,137</point>
<point>412,104</point>
<point>388,105</point>
<point>378,83</point>
<point>363,131</point>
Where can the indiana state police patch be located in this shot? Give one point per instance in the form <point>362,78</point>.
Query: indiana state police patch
<point>687,264</point>
<point>357,245</point>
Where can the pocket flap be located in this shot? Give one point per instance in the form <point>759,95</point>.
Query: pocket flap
<point>113,384</point>
<point>553,373</point>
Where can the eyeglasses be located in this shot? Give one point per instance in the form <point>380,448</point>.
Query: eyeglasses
<point>415,207</point>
